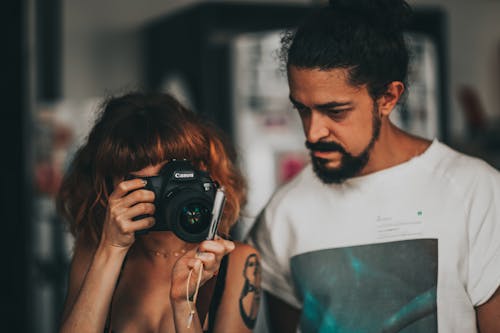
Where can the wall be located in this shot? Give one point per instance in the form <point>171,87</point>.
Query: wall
<point>474,54</point>
<point>102,47</point>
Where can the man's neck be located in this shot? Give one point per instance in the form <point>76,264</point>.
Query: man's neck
<point>393,147</point>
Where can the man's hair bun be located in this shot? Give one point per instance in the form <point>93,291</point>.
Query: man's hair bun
<point>386,14</point>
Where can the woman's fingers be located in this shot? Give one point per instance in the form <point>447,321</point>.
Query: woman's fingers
<point>124,216</point>
<point>137,196</point>
<point>187,267</point>
<point>127,227</point>
<point>211,253</point>
<point>195,264</point>
<point>141,224</point>
<point>208,256</point>
<point>128,201</point>
<point>126,186</point>
<point>209,260</point>
<point>143,208</point>
<point>220,247</point>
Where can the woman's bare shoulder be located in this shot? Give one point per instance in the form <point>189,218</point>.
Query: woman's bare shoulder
<point>243,259</point>
<point>242,252</point>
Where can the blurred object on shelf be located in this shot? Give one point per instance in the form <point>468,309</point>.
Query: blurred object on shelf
<point>289,164</point>
<point>52,140</point>
<point>60,128</point>
<point>473,110</point>
<point>483,135</point>
<point>419,111</point>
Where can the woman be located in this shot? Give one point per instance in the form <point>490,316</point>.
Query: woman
<point>125,281</point>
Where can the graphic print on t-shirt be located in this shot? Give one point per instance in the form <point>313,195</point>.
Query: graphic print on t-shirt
<point>386,287</point>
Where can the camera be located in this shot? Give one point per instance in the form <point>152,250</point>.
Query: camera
<point>184,201</point>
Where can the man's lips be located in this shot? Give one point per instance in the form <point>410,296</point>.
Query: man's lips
<point>326,154</point>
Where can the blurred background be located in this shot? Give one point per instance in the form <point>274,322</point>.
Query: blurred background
<point>60,58</point>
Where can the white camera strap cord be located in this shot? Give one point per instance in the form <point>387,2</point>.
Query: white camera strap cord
<point>192,304</point>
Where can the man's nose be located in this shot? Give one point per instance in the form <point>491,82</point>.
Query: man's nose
<point>317,127</point>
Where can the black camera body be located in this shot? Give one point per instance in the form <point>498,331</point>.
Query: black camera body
<point>184,198</point>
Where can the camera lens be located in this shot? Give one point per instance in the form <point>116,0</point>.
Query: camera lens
<point>187,212</point>
<point>194,217</point>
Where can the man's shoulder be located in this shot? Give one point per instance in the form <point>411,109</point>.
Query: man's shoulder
<point>460,169</point>
<point>453,161</point>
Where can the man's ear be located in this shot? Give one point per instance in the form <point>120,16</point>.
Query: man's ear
<point>390,98</point>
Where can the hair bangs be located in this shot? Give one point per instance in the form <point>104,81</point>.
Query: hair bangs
<point>137,142</point>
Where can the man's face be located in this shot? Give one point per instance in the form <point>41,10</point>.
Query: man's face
<point>340,121</point>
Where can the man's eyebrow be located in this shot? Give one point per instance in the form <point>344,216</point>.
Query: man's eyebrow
<point>294,102</point>
<point>332,105</point>
<point>324,106</point>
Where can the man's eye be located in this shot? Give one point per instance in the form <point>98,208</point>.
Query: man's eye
<point>337,113</point>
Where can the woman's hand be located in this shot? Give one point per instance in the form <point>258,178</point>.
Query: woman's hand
<point>208,255</point>
<point>127,201</point>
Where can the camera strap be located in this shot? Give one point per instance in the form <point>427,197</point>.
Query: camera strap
<point>192,304</point>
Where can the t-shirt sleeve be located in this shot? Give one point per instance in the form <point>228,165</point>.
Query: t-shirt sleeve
<point>270,238</point>
<point>484,238</point>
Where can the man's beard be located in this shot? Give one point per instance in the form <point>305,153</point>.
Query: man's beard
<point>350,165</point>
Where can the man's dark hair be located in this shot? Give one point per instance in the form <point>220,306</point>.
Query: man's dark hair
<point>363,36</point>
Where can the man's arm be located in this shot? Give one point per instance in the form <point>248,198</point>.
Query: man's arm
<point>283,318</point>
<point>488,314</point>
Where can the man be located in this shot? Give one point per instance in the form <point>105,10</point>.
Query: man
<point>384,231</point>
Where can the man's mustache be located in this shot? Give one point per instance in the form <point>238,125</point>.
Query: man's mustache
<point>324,146</point>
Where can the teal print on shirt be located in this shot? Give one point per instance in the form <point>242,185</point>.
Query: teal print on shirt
<point>387,287</point>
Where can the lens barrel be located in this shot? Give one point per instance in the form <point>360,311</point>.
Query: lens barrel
<point>189,215</point>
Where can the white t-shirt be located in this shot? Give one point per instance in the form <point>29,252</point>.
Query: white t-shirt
<point>412,248</point>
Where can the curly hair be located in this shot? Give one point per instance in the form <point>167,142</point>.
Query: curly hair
<point>363,36</point>
<point>134,131</point>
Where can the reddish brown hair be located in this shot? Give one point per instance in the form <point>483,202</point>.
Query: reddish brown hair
<point>134,131</point>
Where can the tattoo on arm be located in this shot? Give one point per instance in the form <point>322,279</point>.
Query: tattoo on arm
<point>250,295</point>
